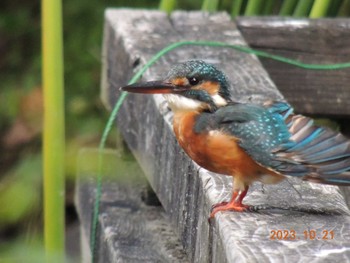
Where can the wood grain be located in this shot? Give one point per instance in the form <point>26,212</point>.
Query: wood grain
<point>129,230</point>
<point>186,191</point>
<point>315,41</point>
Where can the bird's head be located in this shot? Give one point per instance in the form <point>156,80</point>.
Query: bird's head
<point>192,85</point>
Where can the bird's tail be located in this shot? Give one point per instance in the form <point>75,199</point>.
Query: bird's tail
<point>323,152</point>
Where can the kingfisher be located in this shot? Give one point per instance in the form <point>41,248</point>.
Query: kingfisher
<point>251,142</point>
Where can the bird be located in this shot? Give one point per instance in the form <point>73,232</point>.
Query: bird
<point>266,142</point>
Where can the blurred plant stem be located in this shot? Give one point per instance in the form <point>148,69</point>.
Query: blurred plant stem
<point>236,8</point>
<point>344,9</point>
<point>167,5</point>
<point>268,7</point>
<point>210,5</point>
<point>288,7</point>
<point>320,8</point>
<point>253,7</point>
<point>303,8</point>
<point>53,139</point>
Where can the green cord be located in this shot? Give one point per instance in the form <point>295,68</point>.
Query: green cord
<point>136,77</point>
<point>255,52</point>
<point>102,145</point>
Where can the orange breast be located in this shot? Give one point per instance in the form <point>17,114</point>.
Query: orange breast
<point>216,151</point>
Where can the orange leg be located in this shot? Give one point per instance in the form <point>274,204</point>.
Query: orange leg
<point>235,203</point>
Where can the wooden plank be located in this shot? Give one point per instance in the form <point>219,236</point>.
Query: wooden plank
<point>130,230</point>
<point>319,41</point>
<point>187,192</point>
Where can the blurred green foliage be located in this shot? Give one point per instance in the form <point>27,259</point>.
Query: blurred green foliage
<point>20,190</point>
<point>20,74</point>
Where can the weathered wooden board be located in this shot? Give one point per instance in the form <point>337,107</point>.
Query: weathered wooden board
<point>318,41</point>
<point>128,229</point>
<point>187,192</point>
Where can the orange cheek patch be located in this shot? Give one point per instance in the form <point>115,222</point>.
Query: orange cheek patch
<point>211,87</point>
<point>180,81</point>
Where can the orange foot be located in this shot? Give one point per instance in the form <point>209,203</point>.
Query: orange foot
<point>228,206</point>
<point>234,205</point>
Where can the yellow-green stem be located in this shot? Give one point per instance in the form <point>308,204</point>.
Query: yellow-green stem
<point>167,5</point>
<point>320,8</point>
<point>53,138</point>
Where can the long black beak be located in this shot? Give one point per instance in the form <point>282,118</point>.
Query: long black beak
<point>153,87</point>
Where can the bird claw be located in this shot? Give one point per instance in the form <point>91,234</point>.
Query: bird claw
<point>228,206</point>
<point>218,205</point>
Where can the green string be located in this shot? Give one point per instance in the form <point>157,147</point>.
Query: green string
<point>102,145</point>
<point>136,77</point>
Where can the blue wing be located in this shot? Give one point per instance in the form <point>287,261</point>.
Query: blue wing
<point>287,143</point>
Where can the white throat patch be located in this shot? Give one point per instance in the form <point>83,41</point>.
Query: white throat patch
<point>181,103</point>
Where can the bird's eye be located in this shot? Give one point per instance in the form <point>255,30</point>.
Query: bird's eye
<point>193,81</point>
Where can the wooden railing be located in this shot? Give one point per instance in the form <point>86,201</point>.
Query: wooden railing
<point>186,192</point>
